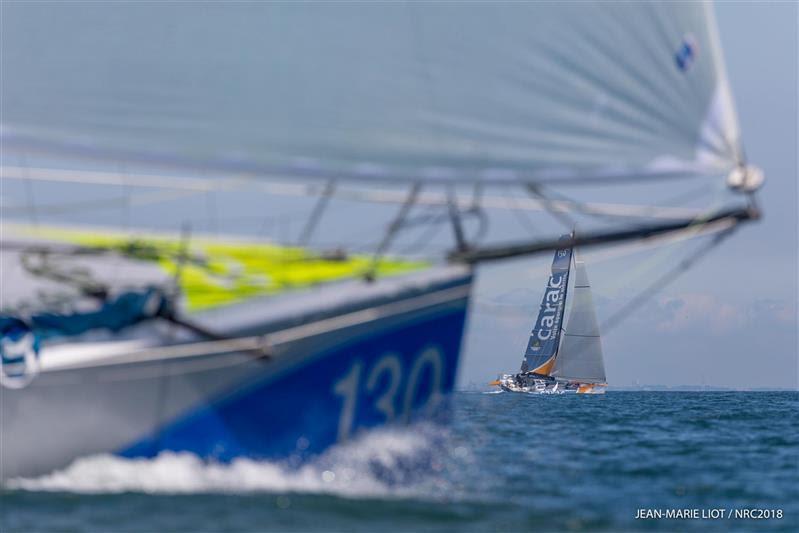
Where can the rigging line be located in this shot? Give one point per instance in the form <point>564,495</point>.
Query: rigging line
<point>432,215</point>
<point>561,217</point>
<point>417,43</point>
<point>482,225</point>
<point>664,253</point>
<point>520,215</point>
<point>455,219</point>
<point>587,209</point>
<point>433,221</point>
<point>423,240</point>
<point>316,213</point>
<point>667,278</point>
<point>486,306</point>
<point>261,352</point>
<point>393,228</point>
<point>578,206</point>
<point>476,208</point>
<point>691,194</point>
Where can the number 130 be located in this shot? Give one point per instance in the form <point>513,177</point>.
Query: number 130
<point>390,364</point>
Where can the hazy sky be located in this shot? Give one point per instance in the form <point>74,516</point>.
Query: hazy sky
<point>731,321</point>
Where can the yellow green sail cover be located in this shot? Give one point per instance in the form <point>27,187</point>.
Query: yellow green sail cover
<point>215,273</point>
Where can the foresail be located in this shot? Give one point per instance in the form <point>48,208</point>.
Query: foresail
<point>543,343</point>
<point>580,355</point>
<point>407,91</point>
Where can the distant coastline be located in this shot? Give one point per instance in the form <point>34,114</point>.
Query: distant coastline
<point>475,387</point>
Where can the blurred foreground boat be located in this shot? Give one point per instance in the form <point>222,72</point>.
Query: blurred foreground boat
<point>559,359</point>
<point>281,376</point>
<point>114,342</point>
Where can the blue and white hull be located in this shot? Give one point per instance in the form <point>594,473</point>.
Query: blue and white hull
<point>341,359</point>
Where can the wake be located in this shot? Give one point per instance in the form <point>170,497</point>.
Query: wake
<point>385,462</point>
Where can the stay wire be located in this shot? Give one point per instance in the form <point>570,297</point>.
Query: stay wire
<point>667,278</point>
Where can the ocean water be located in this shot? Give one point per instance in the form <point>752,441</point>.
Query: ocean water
<point>505,462</point>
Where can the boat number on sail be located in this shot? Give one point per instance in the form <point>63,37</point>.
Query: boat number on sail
<point>388,372</point>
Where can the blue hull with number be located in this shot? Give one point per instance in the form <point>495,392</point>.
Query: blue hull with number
<point>367,382</point>
<point>342,362</point>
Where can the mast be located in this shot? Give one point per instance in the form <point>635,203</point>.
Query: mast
<point>542,345</point>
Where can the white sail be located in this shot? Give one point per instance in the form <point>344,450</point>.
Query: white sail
<point>580,354</point>
<point>466,92</point>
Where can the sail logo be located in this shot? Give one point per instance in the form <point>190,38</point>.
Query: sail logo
<point>549,317</point>
<point>686,53</point>
<point>543,341</point>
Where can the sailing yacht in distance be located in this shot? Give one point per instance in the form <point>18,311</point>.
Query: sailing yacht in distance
<point>562,359</point>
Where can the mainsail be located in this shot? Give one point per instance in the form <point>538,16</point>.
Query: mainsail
<point>580,355</point>
<point>543,344</point>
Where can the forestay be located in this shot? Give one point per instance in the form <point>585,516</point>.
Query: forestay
<point>467,92</point>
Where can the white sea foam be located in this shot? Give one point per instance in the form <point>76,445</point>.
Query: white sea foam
<point>385,462</point>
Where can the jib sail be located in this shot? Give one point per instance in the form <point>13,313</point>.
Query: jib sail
<point>543,344</point>
<point>580,356</point>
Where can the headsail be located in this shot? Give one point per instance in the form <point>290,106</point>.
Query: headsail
<point>475,92</point>
<point>543,344</point>
<point>580,354</point>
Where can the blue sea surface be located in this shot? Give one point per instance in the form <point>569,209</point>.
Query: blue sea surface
<point>506,462</point>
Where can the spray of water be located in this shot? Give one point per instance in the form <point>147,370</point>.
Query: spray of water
<point>385,463</point>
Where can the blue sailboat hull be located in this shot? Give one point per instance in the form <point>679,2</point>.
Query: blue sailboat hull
<point>386,377</point>
<point>344,360</point>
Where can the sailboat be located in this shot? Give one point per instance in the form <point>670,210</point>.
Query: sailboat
<point>562,359</point>
<point>136,334</point>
